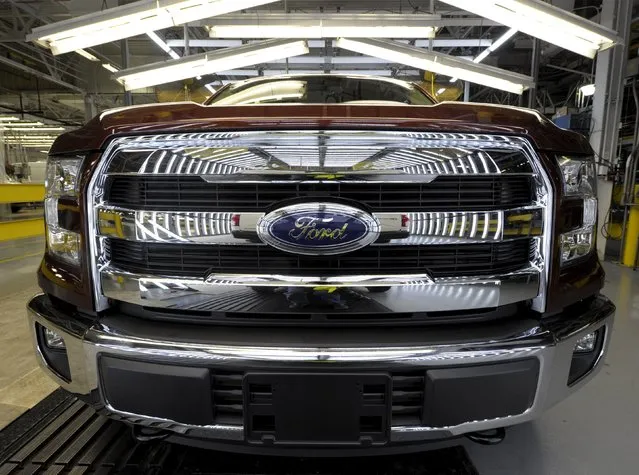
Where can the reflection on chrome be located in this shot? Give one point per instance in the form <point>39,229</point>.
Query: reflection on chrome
<point>381,170</point>
<point>248,293</point>
<point>475,226</point>
<point>244,152</point>
<point>163,226</point>
<point>219,228</point>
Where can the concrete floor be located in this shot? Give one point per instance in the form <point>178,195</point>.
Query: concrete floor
<point>22,383</point>
<point>596,431</point>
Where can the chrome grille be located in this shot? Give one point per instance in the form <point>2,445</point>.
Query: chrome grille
<point>175,218</point>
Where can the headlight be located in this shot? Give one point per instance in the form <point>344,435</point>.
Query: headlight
<point>579,182</point>
<point>61,182</point>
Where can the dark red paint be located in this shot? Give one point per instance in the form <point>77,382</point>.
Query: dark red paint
<point>443,117</point>
<point>567,285</point>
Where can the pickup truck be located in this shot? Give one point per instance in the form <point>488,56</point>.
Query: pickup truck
<point>323,265</point>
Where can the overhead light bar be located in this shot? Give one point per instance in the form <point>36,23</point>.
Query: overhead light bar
<point>8,118</point>
<point>587,90</point>
<point>32,129</point>
<point>500,42</point>
<point>160,42</point>
<point>26,139</point>
<point>209,63</point>
<point>86,54</point>
<point>110,67</point>
<point>437,43</point>
<point>130,20</point>
<point>22,124</point>
<point>325,26</point>
<point>439,63</point>
<point>546,22</point>
<point>31,144</point>
<point>352,72</point>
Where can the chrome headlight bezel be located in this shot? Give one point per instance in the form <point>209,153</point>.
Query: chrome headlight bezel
<point>579,180</point>
<point>62,182</point>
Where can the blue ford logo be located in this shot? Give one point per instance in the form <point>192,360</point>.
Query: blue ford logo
<point>318,228</point>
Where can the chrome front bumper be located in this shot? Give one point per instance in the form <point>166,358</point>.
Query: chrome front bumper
<point>551,343</point>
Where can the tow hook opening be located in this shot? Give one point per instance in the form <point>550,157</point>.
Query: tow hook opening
<point>488,437</point>
<point>146,434</point>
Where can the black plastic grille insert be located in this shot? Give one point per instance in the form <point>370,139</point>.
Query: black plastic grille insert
<point>192,193</point>
<point>198,260</point>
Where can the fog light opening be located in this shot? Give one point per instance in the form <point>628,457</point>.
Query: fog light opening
<point>53,339</point>
<point>585,356</point>
<point>586,343</point>
<point>54,351</point>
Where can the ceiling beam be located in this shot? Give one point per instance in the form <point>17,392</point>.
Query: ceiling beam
<point>437,43</point>
<point>40,74</point>
<point>262,18</point>
<point>569,70</point>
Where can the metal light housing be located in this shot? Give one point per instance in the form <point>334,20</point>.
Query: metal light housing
<point>546,22</point>
<point>439,63</point>
<point>209,63</point>
<point>125,21</point>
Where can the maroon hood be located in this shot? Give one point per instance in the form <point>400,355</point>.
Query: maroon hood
<point>443,117</point>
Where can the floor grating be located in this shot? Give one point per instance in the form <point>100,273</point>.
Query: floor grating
<point>61,435</point>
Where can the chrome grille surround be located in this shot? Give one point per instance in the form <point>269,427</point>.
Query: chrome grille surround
<point>317,158</point>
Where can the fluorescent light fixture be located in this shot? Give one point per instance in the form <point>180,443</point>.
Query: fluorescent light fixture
<point>32,129</point>
<point>86,54</point>
<point>31,145</point>
<point>481,56</point>
<point>110,67</point>
<point>546,22</point>
<point>325,26</point>
<point>8,118</point>
<point>211,89</point>
<point>439,63</point>
<point>500,41</point>
<point>437,43</point>
<point>208,63</point>
<point>348,72</point>
<point>441,90</point>
<point>130,20</point>
<point>22,124</point>
<point>161,43</point>
<point>587,90</point>
<point>32,136</point>
<point>31,139</point>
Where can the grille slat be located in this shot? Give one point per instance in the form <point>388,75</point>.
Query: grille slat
<point>228,398</point>
<point>445,193</point>
<point>408,398</point>
<point>194,260</point>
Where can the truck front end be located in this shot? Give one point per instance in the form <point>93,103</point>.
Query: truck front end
<point>321,281</point>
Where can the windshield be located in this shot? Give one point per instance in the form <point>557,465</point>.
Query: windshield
<point>321,89</point>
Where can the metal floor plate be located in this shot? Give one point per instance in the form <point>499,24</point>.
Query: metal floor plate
<point>62,435</point>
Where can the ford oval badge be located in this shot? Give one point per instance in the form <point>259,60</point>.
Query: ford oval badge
<point>318,228</point>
